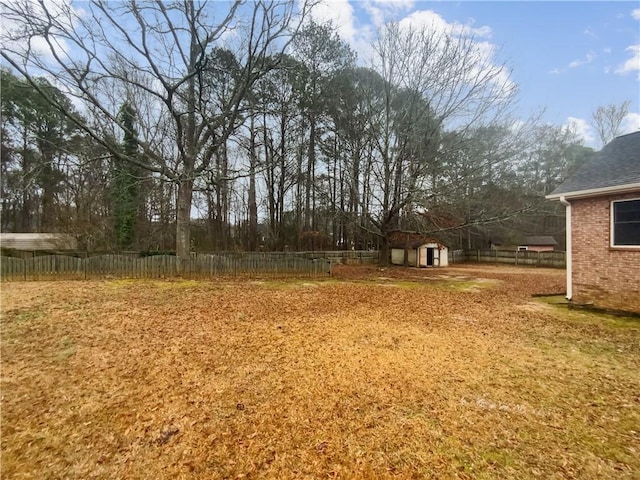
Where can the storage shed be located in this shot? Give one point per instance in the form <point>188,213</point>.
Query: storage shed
<point>421,251</point>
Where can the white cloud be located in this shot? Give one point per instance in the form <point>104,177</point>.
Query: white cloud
<point>404,4</point>
<point>631,123</point>
<point>431,20</point>
<point>381,11</point>
<point>590,33</point>
<point>582,128</point>
<point>339,13</point>
<point>589,57</point>
<point>606,50</point>
<point>635,13</point>
<point>376,14</point>
<point>632,64</point>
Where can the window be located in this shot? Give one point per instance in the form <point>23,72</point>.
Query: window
<point>625,223</point>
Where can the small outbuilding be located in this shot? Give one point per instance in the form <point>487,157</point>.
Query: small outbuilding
<point>539,243</point>
<point>419,250</point>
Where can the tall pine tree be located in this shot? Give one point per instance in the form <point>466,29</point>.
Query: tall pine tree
<point>126,182</point>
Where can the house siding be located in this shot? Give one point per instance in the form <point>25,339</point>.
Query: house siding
<point>602,276</point>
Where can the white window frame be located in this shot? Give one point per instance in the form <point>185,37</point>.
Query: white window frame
<point>612,225</point>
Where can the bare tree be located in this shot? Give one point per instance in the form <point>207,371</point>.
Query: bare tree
<point>157,50</point>
<point>607,120</point>
<point>433,81</point>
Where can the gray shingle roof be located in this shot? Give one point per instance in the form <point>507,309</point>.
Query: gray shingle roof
<point>540,240</point>
<point>617,164</point>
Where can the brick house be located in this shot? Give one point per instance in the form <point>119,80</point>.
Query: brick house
<point>602,201</point>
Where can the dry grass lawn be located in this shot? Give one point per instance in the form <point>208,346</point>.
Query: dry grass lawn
<point>452,373</point>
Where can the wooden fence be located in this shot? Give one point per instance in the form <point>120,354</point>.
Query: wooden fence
<point>346,257</point>
<point>510,257</point>
<point>274,264</point>
<point>48,267</point>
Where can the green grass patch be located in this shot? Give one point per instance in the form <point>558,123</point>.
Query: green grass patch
<point>466,285</point>
<point>66,351</point>
<point>288,284</point>
<point>404,284</point>
<point>563,311</point>
<point>23,315</point>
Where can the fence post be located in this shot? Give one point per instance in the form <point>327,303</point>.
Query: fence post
<point>516,257</point>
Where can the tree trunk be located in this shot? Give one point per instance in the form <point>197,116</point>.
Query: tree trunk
<point>311,160</point>
<point>183,224</point>
<point>383,261</point>
<point>299,191</point>
<point>253,206</point>
<point>405,261</point>
<point>25,217</point>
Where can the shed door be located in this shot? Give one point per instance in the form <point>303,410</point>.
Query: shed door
<point>430,252</point>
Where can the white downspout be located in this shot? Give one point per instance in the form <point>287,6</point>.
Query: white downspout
<point>564,201</point>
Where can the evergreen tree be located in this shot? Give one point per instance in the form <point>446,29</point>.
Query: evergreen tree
<point>126,181</point>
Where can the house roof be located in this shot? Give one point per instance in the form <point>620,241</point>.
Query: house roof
<point>38,241</point>
<point>615,168</point>
<point>540,240</point>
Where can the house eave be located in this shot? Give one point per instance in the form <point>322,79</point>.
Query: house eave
<point>594,192</point>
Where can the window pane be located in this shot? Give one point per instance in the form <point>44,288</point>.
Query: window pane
<point>627,211</point>
<point>626,223</point>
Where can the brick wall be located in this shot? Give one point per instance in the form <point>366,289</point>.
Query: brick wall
<point>603,276</point>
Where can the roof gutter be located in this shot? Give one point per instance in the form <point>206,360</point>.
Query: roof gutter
<point>630,187</point>
<point>567,205</point>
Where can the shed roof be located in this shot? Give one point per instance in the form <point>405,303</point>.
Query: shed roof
<point>415,244</point>
<point>412,240</point>
<point>540,240</point>
<point>616,165</point>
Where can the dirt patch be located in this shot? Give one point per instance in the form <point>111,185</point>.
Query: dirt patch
<point>344,378</point>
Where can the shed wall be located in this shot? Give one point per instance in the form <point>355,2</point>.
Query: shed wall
<point>397,257</point>
<point>444,257</point>
<point>440,256</point>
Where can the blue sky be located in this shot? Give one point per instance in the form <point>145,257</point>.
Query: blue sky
<point>567,57</point>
